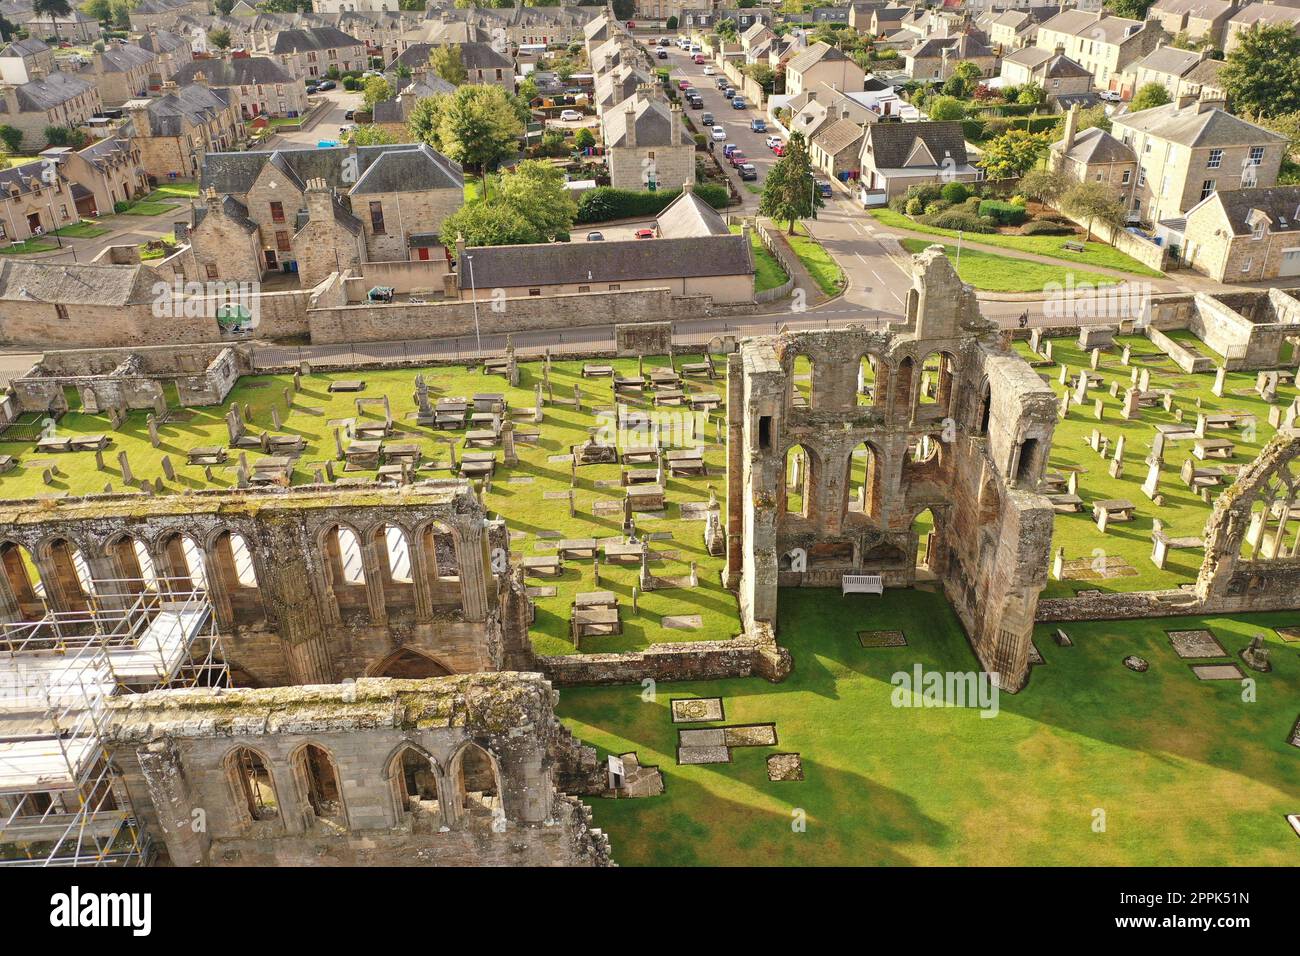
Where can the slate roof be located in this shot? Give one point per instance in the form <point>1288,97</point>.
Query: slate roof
<point>50,91</point>
<point>817,53</point>
<point>164,41</point>
<point>1268,13</point>
<point>415,168</point>
<point>1079,23</point>
<point>1095,145</point>
<point>25,280</point>
<point>196,104</point>
<point>1196,127</point>
<point>838,136</point>
<point>689,215</point>
<point>1199,9</point>
<point>481,56</point>
<point>123,59</point>
<point>26,177</point>
<point>235,172</point>
<point>233,209</point>
<point>311,38</point>
<point>1205,73</point>
<point>563,263</point>
<point>1168,59</point>
<point>237,71</point>
<point>1279,203</point>
<point>28,47</point>
<point>653,123</point>
<point>892,143</point>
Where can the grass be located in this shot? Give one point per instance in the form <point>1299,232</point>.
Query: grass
<point>824,270</point>
<point>995,273</point>
<point>1183,513</point>
<point>522,503</point>
<point>768,273</point>
<point>1185,771</point>
<point>86,229</point>
<point>27,247</point>
<point>146,208</point>
<point>176,190</point>
<point>1095,254</point>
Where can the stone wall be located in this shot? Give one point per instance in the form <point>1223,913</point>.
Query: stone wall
<point>335,766</point>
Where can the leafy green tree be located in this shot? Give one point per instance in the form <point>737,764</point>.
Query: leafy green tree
<point>584,138</point>
<point>424,123</point>
<point>1262,75</point>
<point>1094,203</point>
<point>371,135</point>
<point>1045,185</point>
<point>446,62</point>
<point>536,191</point>
<point>223,6</point>
<point>12,138</point>
<point>478,127</point>
<point>1148,96</point>
<point>670,23</point>
<point>1130,9</point>
<point>375,90</point>
<point>49,9</point>
<point>1031,94</point>
<point>220,38</point>
<point>488,224</point>
<point>945,108</point>
<point>1012,154</point>
<point>1094,116</point>
<point>101,10</point>
<point>789,193</point>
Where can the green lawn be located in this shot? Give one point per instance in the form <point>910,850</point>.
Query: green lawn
<point>824,270</point>
<point>519,493</point>
<point>86,229</point>
<point>176,190</point>
<point>995,273</point>
<point>27,247</point>
<point>1184,771</point>
<point>1096,254</point>
<point>146,208</point>
<point>1183,513</point>
<point>768,273</point>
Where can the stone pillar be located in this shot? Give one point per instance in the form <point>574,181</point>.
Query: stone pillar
<point>373,567</point>
<point>421,574</point>
<point>297,589</point>
<point>218,593</point>
<point>174,802</point>
<point>472,559</point>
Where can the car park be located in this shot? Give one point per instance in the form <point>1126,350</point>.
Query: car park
<point>758,124</point>
<point>747,171</point>
<point>738,103</point>
<point>644,233</point>
<point>719,134</point>
<point>570,116</point>
<point>595,237</point>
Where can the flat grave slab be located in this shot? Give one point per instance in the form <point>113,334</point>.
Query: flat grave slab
<point>682,622</point>
<point>1195,644</point>
<point>687,711</point>
<point>1216,672</point>
<point>750,735</point>
<point>703,737</point>
<point>698,755</point>
<point>544,591</point>
<point>783,767</point>
<point>882,639</point>
<point>1290,635</point>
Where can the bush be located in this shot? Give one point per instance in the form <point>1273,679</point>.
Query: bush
<point>350,84</point>
<point>1018,200</point>
<point>120,207</point>
<point>963,221</point>
<point>955,192</point>
<point>913,206</point>
<point>937,207</point>
<point>605,202</point>
<point>12,137</point>
<point>1008,214</point>
<point>1040,227</point>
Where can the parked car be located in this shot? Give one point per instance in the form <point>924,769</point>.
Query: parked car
<point>595,237</point>
<point>823,188</point>
<point>738,103</point>
<point>326,85</point>
<point>719,134</point>
<point>721,83</point>
<point>570,116</point>
<point>747,171</point>
<point>729,92</point>
<point>696,101</point>
<point>736,158</point>
<point>779,149</point>
<point>663,41</point>
<point>350,115</point>
<point>661,54</point>
<point>1110,96</point>
<point>772,141</point>
<point>698,59</point>
<point>312,88</point>
<point>729,149</point>
<point>707,119</point>
<point>683,84</point>
<point>346,131</point>
<point>758,124</point>
<point>690,91</point>
<point>709,71</point>
<point>644,234</point>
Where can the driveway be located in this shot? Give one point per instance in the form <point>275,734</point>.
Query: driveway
<point>325,128</point>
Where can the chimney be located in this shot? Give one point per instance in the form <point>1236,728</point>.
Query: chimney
<point>1185,100</point>
<point>688,187</point>
<point>1060,49</point>
<point>629,119</point>
<point>319,201</point>
<point>1204,106</point>
<point>675,125</point>
<point>460,251</point>
<point>212,200</point>
<point>1071,126</point>
<point>200,78</point>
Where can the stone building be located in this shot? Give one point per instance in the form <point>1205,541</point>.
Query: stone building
<point>175,131</point>
<point>224,241</point>
<point>102,174</point>
<point>20,60</point>
<point>646,145</point>
<point>1105,45</point>
<point>314,51</point>
<point>1198,20</point>
<point>255,85</point>
<point>121,72</point>
<point>1245,235</point>
<point>35,198</point>
<point>935,414</point>
<point>56,99</point>
<point>822,64</point>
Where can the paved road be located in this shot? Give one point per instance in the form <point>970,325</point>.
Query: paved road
<point>326,128</point>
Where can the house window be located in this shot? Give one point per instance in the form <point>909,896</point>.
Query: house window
<point>1256,155</point>
<point>61,311</point>
<point>1245,264</point>
<point>1207,188</point>
<point>534,291</point>
<point>377,218</point>
<point>615,286</point>
<point>584,288</point>
<point>1216,159</point>
<point>212,270</point>
<point>282,241</point>
<point>63,212</point>
<point>1142,177</point>
<point>277,212</point>
<point>1128,174</point>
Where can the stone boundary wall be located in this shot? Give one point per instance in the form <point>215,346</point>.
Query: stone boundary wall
<point>342,324</point>
<point>1189,361</point>
<point>1147,253</point>
<point>778,252</point>
<point>756,655</point>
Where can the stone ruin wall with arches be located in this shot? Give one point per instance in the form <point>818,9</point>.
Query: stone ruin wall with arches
<point>936,414</point>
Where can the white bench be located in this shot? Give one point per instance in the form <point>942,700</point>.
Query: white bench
<point>861,584</point>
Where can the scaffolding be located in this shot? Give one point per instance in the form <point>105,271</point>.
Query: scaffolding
<point>62,802</point>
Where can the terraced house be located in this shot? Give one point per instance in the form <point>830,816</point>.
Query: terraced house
<point>33,200</point>
<point>1105,45</point>
<point>120,72</point>
<point>314,51</point>
<point>176,130</point>
<point>59,99</point>
<point>103,174</point>
<point>255,85</point>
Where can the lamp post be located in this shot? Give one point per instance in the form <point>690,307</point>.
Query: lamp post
<point>478,338</point>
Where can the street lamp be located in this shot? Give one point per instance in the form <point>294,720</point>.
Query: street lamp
<point>478,339</point>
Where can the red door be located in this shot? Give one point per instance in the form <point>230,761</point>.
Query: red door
<point>424,253</point>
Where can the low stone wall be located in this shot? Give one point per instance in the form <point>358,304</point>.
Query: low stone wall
<point>1147,253</point>
<point>779,252</point>
<point>1115,606</point>
<point>373,322</point>
<point>755,655</point>
<point>1186,359</point>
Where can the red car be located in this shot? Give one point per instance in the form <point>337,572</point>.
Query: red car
<point>779,149</point>
<point>644,234</point>
<point>736,158</point>
<point>683,84</point>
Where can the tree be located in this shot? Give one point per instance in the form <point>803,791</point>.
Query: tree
<point>790,192</point>
<point>1130,9</point>
<point>223,6</point>
<point>376,90</point>
<point>1045,185</point>
<point>1094,203</point>
<point>12,138</point>
<point>584,138</point>
<point>1094,116</point>
<point>488,224</point>
<point>51,9</point>
<point>220,38</point>
<point>478,127</point>
<point>371,135</point>
<point>1012,154</point>
<point>670,23</point>
<point>763,75</point>
<point>1148,96</point>
<point>1262,75</point>
<point>536,191</point>
<point>1031,94</point>
<point>101,10</point>
<point>425,120</point>
<point>945,108</point>
<point>446,61</point>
